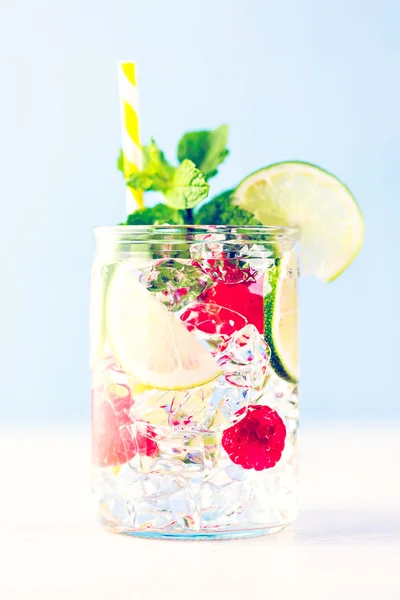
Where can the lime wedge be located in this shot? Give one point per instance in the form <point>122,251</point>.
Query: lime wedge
<point>297,193</point>
<point>149,342</point>
<point>281,316</point>
<point>101,277</point>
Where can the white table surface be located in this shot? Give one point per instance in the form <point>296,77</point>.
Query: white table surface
<point>345,545</point>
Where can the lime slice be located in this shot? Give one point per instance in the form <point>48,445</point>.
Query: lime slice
<point>101,276</point>
<point>297,193</point>
<point>151,343</point>
<point>281,317</point>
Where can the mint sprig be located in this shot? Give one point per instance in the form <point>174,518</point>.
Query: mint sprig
<point>221,211</point>
<point>183,186</point>
<point>156,174</point>
<point>160,214</point>
<point>187,188</point>
<point>206,148</point>
<point>120,162</point>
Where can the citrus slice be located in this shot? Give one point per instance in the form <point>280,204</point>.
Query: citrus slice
<point>149,342</point>
<point>281,317</point>
<point>101,277</point>
<point>301,194</point>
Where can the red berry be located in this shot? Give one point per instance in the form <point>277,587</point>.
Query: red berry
<point>230,271</point>
<point>245,298</point>
<point>213,319</point>
<point>146,444</point>
<point>114,439</point>
<point>257,441</point>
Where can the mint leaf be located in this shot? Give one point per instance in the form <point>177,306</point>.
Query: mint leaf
<point>157,172</point>
<point>183,186</point>
<point>157,215</point>
<point>188,282</point>
<point>187,188</point>
<point>221,211</point>
<point>120,162</point>
<point>144,181</point>
<point>207,149</point>
<point>154,162</point>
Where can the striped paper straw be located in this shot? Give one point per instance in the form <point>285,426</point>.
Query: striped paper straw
<point>133,159</point>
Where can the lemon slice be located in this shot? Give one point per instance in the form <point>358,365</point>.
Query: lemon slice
<point>281,318</point>
<point>101,277</point>
<point>151,343</point>
<point>297,193</point>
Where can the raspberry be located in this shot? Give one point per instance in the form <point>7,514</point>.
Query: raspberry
<point>257,441</point>
<point>228,271</point>
<point>213,319</point>
<point>243,298</point>
<point>114,440</point>
<point>146,444</point>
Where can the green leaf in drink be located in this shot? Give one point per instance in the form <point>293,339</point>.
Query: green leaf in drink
<point>220,211</point>
<point>161,214</point>
<point>156,174</point>
<point>183,186</point>
<point>187,188</point>
<point>155,162</point>
<point>207,149</point>
<point>120,162</point>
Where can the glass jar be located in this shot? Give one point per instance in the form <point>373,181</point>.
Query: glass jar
<point>194,380</point>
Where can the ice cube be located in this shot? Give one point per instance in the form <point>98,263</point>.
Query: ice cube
<point>148,518</point>
<point>222,262</point>
<point>152,407</point>
<point>262,505</point>
<point>236,472</point>
<point>168,465</point>
<point>188,410</point>
<point>232,263</point>
<point>273,496</point>
<point>198,452</point>
<point>109,381</point>
<point>224,404</point>
<point>166,500</point>
<point>245,358</point>
<point>114,508</point>
<point>256,257</point>
<point>212,407</point>
<point>169,412</point>
<point>209,408</point>
<point>110,486</point>
<point>212,323</point>
<point>222,505</point>
<point>175,283</point>
<point>158,484</point>
<point>280,395</point>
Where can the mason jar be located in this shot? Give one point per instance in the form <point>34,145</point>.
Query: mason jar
<point>194,380</point>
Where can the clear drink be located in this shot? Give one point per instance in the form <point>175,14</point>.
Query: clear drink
<point>194,380</point>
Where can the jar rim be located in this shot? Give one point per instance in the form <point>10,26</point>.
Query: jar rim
<point>137,233</point>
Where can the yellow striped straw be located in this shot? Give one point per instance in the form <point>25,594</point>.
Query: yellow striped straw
<point>133,159</point>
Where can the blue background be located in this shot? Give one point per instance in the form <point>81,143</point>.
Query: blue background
<point>311,80</point>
